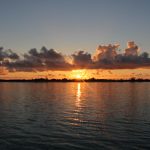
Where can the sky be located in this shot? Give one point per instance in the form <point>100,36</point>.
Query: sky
<point>70,25</point>
<point>76,34</point>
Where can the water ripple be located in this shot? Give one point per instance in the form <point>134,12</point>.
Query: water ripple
<point>74,116</point>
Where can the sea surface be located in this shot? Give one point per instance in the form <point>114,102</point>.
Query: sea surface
<point>74,116</point>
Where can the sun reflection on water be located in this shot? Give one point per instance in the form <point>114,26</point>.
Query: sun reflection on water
<point>76,120</point>
<point>78,95</point>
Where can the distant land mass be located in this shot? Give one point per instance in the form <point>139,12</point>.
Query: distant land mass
<point>76,80</point>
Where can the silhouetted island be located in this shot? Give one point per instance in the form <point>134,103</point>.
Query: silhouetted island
<point>76,80</point>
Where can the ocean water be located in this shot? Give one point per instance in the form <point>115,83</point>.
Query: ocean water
<point>74,116</point>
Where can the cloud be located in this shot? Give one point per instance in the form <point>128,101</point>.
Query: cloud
<point>7,54</point>
<point>41,60</point>
<point>105,53</point>
<point>82,59</point>
<point>105,57</point>
<point>132,49</point>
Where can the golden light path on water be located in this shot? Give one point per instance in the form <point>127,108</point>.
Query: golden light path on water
<point>76,119</point>
<point>78,95</point>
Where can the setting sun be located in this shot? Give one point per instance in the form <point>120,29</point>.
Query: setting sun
<point>79,74</point>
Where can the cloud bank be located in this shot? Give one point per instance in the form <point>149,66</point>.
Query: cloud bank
<point>105,57</point>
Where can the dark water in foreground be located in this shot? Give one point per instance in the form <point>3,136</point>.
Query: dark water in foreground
<point>89,116</point>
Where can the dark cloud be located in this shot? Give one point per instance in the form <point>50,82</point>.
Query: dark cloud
<point>82,59</point>
<point>2,54</point>
<point>8,55</point>
<point>12,55</point>
<point>41,60</point>
<point>105,57</point>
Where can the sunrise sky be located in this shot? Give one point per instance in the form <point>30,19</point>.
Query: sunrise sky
<point>74,39</point>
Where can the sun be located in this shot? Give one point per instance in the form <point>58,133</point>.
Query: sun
<point>78,76</point>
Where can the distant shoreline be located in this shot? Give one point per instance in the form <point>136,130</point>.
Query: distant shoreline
<point>75,80</point>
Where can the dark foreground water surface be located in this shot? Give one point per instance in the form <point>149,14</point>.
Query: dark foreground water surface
<point>89,116</point>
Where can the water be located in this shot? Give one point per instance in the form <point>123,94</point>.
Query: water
<point>88,116</point>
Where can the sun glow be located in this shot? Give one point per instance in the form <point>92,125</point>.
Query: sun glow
<point>79,74</point>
